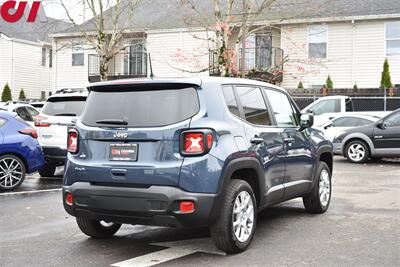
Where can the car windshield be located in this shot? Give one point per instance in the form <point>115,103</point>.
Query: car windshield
<point>64,106</point>
<point>144,108</point>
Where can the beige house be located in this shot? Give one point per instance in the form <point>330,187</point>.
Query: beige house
<point>347,40</point>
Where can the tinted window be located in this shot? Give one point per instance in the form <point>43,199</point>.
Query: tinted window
<point>284,112</point>
<point>141,108</point>
<point>393,120</point>
<point>64,106</point>
<point>350,122</point>
<point>32,111</point>
<point>230,100</point>
<point>349,105</point>
<point>326,106</point>
<point>24,114</point>
<point>254,108</point>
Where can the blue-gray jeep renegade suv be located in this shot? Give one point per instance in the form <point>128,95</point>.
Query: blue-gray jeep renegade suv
<point>192,153</point>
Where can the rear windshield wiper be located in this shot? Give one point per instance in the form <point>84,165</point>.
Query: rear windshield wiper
<point>113,122</point>
<point>65,114</point>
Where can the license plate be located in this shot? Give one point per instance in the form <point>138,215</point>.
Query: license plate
<point>123,152</point>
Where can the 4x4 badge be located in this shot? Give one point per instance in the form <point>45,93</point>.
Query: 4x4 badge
<point>121,135</point>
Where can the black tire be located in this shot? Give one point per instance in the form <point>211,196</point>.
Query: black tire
<point>95,229</point>
<point>48,170</point>
<point>312,202</point>
<point>222,231</point>
<point>11,182</point>
<point>363,146</point>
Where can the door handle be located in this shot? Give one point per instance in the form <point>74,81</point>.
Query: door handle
<point>119,172</point>
<point>288,140</point>
<point>256,140</point>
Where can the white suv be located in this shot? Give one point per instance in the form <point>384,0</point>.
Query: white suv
<point>59,112</point>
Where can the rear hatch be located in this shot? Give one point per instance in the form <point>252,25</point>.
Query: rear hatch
<point>57,115</point>
<point>130,134</point>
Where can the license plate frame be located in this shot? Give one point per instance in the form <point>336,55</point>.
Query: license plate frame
<point>123,152</point>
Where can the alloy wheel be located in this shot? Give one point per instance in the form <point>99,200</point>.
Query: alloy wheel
<point>356,152</point>
<point>243,216</point>
<point>11,172</point>
<point>324,188</point>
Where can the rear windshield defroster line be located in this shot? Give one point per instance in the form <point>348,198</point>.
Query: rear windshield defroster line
<point>140,108</point>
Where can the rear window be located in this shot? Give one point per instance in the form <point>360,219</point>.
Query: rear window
<point>64,106</point>
<point>140,108</point>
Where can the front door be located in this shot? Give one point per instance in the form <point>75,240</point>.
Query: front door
<point>387,138</point>
<point>299,159</point>
<point>264,138</point>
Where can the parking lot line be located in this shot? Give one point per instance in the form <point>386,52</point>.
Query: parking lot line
<point>30,192</point>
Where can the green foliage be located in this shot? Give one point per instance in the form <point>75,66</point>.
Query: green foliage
<point>329,83</point>
<point>22,96</point>
<point>386,81</point>
<point>300,86</point>
<point>355,88</point>
<point>6,95</point>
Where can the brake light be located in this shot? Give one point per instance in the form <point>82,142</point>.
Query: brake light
<point>39,123</point>
<point>29,131</point>
<point>196,143</point>
<point>186,206</point>
<point>72,141</point>
<point>69,199</point>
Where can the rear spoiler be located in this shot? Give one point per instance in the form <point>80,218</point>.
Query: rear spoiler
<point>140,86</point>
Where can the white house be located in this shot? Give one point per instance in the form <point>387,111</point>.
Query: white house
<point>346,39</point>
<point>26,55</point>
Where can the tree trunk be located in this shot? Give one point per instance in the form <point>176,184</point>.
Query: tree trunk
<point>104,61</point>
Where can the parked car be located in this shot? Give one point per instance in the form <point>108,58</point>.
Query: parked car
<point>343,122</point>
<point>25,111</point>
<point>329,107</point>
<point>190,153</point>
<point>20,152</point>
<point>59,112</point>
<point>377,140</point>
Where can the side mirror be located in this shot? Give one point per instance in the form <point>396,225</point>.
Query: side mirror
<point>380,125</point>
<point>306,121</point>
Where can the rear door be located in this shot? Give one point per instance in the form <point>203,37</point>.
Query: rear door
<point>131,136</point>
<point>387,139</point>
<point>259,126</point>
<point>299,160</point>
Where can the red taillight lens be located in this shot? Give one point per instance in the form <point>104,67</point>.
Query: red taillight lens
<point>39,122</point>
<point>194,143</point>
<point>197,142</point>
<point>72,141</point>
<point>29,131</point>
<point>186,206</point>
<point>69,199</point>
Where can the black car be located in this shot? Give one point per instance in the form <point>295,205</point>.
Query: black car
<point>375,140</point>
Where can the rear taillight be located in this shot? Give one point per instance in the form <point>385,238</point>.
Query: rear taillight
<point>196,142</point>
<point>72,141</point>
<point>39,121</point>
<point>29,131</point>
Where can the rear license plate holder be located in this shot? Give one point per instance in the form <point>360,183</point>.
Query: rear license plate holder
<point>123,152</point>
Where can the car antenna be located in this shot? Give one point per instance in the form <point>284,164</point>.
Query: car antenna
<point>151,68</point>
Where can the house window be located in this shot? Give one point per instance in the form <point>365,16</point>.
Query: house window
<point>393,38</point>
<point>317,41</point>
<point>135,58</point>
<point>50,58</point>
<point>78,56</point>
<point>258,52</point>
<point>43,57</point>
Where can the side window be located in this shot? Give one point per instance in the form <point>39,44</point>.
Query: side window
<point>230,100</point>
<point>326,106</point>
<point>24,114</point>
<point>345,122</point>
<point>32,111</point>
<point>2,122</point>
<point>254,107</point>
<point>349,105</point>
<point>362,122</point>
<point>284,111</point>
<point>393,120</point>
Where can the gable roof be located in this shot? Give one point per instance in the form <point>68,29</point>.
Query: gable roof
<point>169,14</point>
<point>37,31</point>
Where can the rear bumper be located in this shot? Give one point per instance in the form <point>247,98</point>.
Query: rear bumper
<point>156,205</point>
<point>55,155</point>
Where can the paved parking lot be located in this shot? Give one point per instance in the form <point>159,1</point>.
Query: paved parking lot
<point>361,228</point>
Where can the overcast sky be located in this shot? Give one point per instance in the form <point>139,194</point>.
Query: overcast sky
<point>55,10</point>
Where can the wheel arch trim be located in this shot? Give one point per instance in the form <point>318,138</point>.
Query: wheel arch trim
<point>361,136</point>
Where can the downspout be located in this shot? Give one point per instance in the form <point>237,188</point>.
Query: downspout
<point>353,63</point>
<point>12,67</point>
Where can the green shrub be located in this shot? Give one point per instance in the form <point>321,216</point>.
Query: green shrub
<point>22,96</point>
<point>329,83</point>
<point>6,95</point>
<point>386,81</point>
<point>300,86</point>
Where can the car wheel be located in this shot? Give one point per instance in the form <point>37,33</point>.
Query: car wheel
<point>235,226</point>
<point>48,170</point>
<point>320,197</point>
<point>12,172</point>
<point>97,229</point>
<point>357,151</point>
